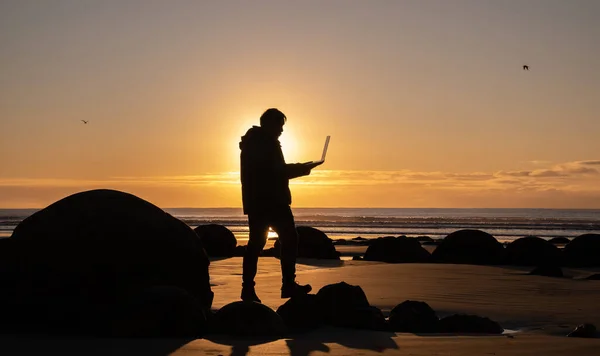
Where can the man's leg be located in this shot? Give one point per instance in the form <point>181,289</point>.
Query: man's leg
<point>285,227</point>
<point>259,227</point>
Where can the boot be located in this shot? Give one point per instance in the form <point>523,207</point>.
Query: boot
<point>249,294</point>
<point>291,289</point>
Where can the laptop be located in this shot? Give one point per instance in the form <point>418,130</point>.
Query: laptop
<point>324,152</point>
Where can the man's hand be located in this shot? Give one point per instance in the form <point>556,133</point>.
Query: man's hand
<point>311,165</point>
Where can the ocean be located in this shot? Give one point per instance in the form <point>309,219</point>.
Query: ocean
<point>346,223</point>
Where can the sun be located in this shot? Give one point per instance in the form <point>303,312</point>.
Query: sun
<point>289,145</point>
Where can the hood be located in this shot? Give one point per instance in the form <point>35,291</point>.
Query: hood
<point>255,135</point>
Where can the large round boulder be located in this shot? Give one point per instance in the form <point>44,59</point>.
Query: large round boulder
<point>469,247</point>
<point>583,251</point>
<point>313,243</point>
<point>249,319</point>
<point>218,241</point>
<point>161,311</point>
<point>396,250</point>
<point>532,251</point>
<point>413,317</point>
<point>102,245</point>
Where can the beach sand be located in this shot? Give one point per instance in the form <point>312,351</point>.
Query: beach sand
<point>542,310</point>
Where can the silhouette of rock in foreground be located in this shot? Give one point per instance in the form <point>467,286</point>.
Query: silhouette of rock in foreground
<point>469,247</point>
<point>547,271</point>
<point>559,240</point>
<point>249,319</point>
<point>396,250</point>
<point>532,251</point>
<point>469,324</point>
<point>301,313</point>
<point>583,251</point>
<point>83,256</point>
<point>413,317</point>
<point>345,305</point>
<point>593,277</point>
<point>161,311</point>
<point>585,331</point>
<point>312,243</point>
<point>218,241</point>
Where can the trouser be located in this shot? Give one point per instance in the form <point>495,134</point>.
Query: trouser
<point>281,220</point>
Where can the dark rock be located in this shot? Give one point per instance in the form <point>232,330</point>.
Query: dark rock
<point>583,251</point>
<point>313,243</point>
<point>424,239</point>
<point>249,319</point>
<point>239,251</point>
<point>338,300</point>
<point>370,318</point>
<point>584,330</point>
<point>357,258</point>
<point>341,242</point>
<point>413,317</point>
<point>358,238</point>
<point>218,240</point>
<point>470,324</point>
<point>559,240</point>
<point>469,247</point>
<point>396,250</point>
<point>594,277</point>
<point>162,311</point>
<point>301,313</point>
<point>547,271</point>
<point>97,246</point>
<point>532,251</point>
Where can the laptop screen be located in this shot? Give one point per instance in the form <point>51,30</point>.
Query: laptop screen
<point>325,148</point>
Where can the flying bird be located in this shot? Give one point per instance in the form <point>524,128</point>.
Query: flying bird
<point>85,122</point>
<point>525,67</point>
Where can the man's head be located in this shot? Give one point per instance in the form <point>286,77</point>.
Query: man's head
<point>272,121</point>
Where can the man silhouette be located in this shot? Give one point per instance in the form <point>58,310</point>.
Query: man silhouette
<point>266,200</point>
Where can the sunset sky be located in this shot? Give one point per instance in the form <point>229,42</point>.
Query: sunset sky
<point>426,101</point>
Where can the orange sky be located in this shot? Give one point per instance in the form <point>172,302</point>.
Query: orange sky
<point>426,101</point>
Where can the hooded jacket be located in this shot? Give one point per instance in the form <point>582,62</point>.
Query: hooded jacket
<point>265,175</point>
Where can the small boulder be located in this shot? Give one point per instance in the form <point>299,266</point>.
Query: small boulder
<point>341,242</point>
<point>413,317</point>
<point>469,247</point>
<point>357,258</point>
<point>218,240</point>
<point>239,251</point>
<point>313,243</point>
<point>423,239</point>
<point>249,319</point>
<point>532,251</point>
<point>583,251</point>
<point>585,331</point>
<point>470,324</point>
<point>301,313</point>
<point>559,240</point>
<point>370,318</point>
<point>396,250</point>
<point>547,271</point>
<point>337,300</point>
<point>593,277</point>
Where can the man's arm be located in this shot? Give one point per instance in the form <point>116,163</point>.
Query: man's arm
<point>295,170</point>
